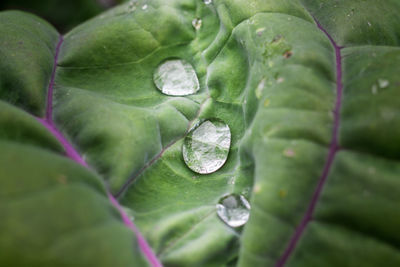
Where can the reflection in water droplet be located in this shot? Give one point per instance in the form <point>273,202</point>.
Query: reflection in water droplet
<point>206,148</point>
<point>207,2</point>
<point>383,83</point>
<point>176,77</point>
<point>234,210</point>
<point>197,23</point>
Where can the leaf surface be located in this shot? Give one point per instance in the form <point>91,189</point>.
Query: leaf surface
<point>307,88</point>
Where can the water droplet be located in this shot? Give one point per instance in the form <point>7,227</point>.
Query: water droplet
<point>369,24</point>
<point>257,188</point>
<point>374,89</point>
<point>260,31</point>
<point>383,83</point>
<point>260,88</point>
<point>144,7</point>
<point>206,147</point>
<point>176,77</point>
<point>132,6</point>
<point>207,2</point>
<point>197,23</point>
<point>289,153</point>
<point>234,210</point>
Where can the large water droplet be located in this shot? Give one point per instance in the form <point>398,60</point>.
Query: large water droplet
<point>176,77</point>
<point>206,147</point>
<point>234,210</point>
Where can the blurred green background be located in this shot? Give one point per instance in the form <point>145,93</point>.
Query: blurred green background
<point>63,14</point>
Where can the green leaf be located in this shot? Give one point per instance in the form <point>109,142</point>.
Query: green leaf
<point>308,89</point>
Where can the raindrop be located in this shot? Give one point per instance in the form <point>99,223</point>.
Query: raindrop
<point>197,23</point>
<point>207,2</point>
<point>234,210</point>
<point>206,147</point>
<point>176,77</point>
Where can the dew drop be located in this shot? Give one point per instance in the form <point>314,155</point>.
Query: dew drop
<point>206,147</point>
<point>207,2</point>
<point>176,77</point>
<point>234,210</point>
<point>369,24</point>
<point>197,23</point>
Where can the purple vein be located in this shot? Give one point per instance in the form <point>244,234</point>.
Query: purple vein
<point>334,147</point>
<point>71,153</point>
<point>49,108</point>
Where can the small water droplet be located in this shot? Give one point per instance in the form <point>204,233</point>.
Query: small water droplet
<point>369,24</point>
<point>206,147</point>
<point>257,188</point>
<point>280,80</point>
<point>289,153</point>
<point>260,31</point>
<point>197,23</point>
<point>132,6</point>
<point>144,7</point>
<point>234,210</point>
<point>374,89</point>
<point>383,83</point>
<point>260,88</point>
<point>176,77</point>
<point>207,2</point>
